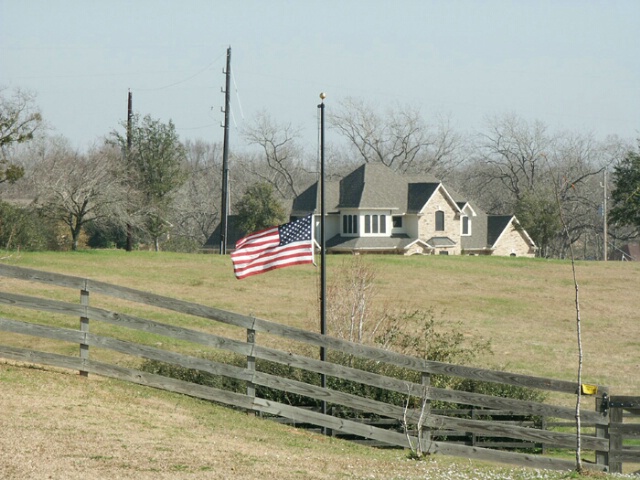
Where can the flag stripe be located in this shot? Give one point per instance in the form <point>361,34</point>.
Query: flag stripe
<point>275,261</point>
<point>268,235</point>
<point>244,258</point>
<point>264,266</point>
<point>275,247</point>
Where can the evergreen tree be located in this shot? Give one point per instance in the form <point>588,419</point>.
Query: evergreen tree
<point>154,172</point>
<point>259,209</point>
<point>626,195</point>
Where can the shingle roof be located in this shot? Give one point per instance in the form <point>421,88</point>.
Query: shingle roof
<point>309,200</point>
<point>397,243</point>
<point>376,186</point>
<point>418,194</point>
<point>370,186</point>
<point>233,234</point>
<point>441,242</point>
<point>495,226</point>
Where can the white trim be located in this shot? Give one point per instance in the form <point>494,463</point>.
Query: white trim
<point>521,230</point>
<point>468,206</point>
<point>469,233</point>
<point>447,196</point>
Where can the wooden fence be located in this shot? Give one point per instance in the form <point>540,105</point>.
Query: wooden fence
<point>605,440</point>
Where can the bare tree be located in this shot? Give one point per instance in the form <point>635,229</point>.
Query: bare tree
<point>518,167</point>
<point>196,206</point>
<point>399,138</point>
<point>74,189</point>
<point>352,313</point>
<point>513,154</point>
<point>19,121</point>
<point>279,144</point>
<point>577,164</point>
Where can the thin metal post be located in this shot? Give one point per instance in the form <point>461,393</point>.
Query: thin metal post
<point>323,264</point>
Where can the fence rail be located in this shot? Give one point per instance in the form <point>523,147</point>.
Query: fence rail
<point>607,442</point>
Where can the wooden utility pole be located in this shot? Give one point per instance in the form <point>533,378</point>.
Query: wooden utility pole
<point>224,210</point>
<point>605,235</point>
<point>129,246</point>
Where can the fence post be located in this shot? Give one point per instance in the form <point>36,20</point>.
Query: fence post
<point>251,361</point>
<point>84,327</point>
<point>424,433</point>
<point>615,438</point>
<point>602,431</point>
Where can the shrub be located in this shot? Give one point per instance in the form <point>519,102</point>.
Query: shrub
<point>24,228</point>
<point>103,235</point>
<point>199,377</point>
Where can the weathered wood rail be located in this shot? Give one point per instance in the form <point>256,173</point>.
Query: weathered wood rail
<point>605,443</point>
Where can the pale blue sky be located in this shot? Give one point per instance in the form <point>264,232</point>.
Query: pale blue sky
<point>574,65</point>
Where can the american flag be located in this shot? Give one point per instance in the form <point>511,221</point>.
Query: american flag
<point>275,247</point>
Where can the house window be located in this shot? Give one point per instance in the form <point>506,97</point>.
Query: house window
<point>439,220</point>
<point>349,224</point>
<point>466,226</point>
<point>397,221</point>
<point>375,224</point>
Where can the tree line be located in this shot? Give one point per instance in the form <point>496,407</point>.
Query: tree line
<point>142,187</point>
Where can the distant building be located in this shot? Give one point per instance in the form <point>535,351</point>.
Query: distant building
<point>375,210</point>
<point>628,252</point>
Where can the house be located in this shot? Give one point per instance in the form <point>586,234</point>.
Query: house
<point>234,233</point>
<point>375,210</point>
<point>628,252</point>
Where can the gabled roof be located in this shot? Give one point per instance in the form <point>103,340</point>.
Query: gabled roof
<point>309,200</point>
<point>233,235</point>
<point>373,185</point>
<point>465,205</point>
<point>418,195</point>
<point>370,186</point>
<point>498,224</point>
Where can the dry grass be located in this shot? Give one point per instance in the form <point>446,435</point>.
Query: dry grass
<point>57,425</point>
<point>525,307</point>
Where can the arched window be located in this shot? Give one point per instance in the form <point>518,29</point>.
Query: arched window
<point>439,220</point>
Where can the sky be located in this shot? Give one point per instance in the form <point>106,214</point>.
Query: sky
<point>572,64</point>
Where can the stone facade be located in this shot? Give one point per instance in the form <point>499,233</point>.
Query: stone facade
<point>427,222</point>
<point>420,216</point>
<point>513,243</point>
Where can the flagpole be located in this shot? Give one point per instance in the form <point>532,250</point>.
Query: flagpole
<point>323,266</point>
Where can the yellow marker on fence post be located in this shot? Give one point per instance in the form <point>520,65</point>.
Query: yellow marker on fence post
<point>589,389</point>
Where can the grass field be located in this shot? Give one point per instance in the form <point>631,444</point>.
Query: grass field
<point>525,307</point>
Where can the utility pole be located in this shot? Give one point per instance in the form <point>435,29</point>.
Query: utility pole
<point>604,215</point>
<point>129,246</point>
<point>224,211</point>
